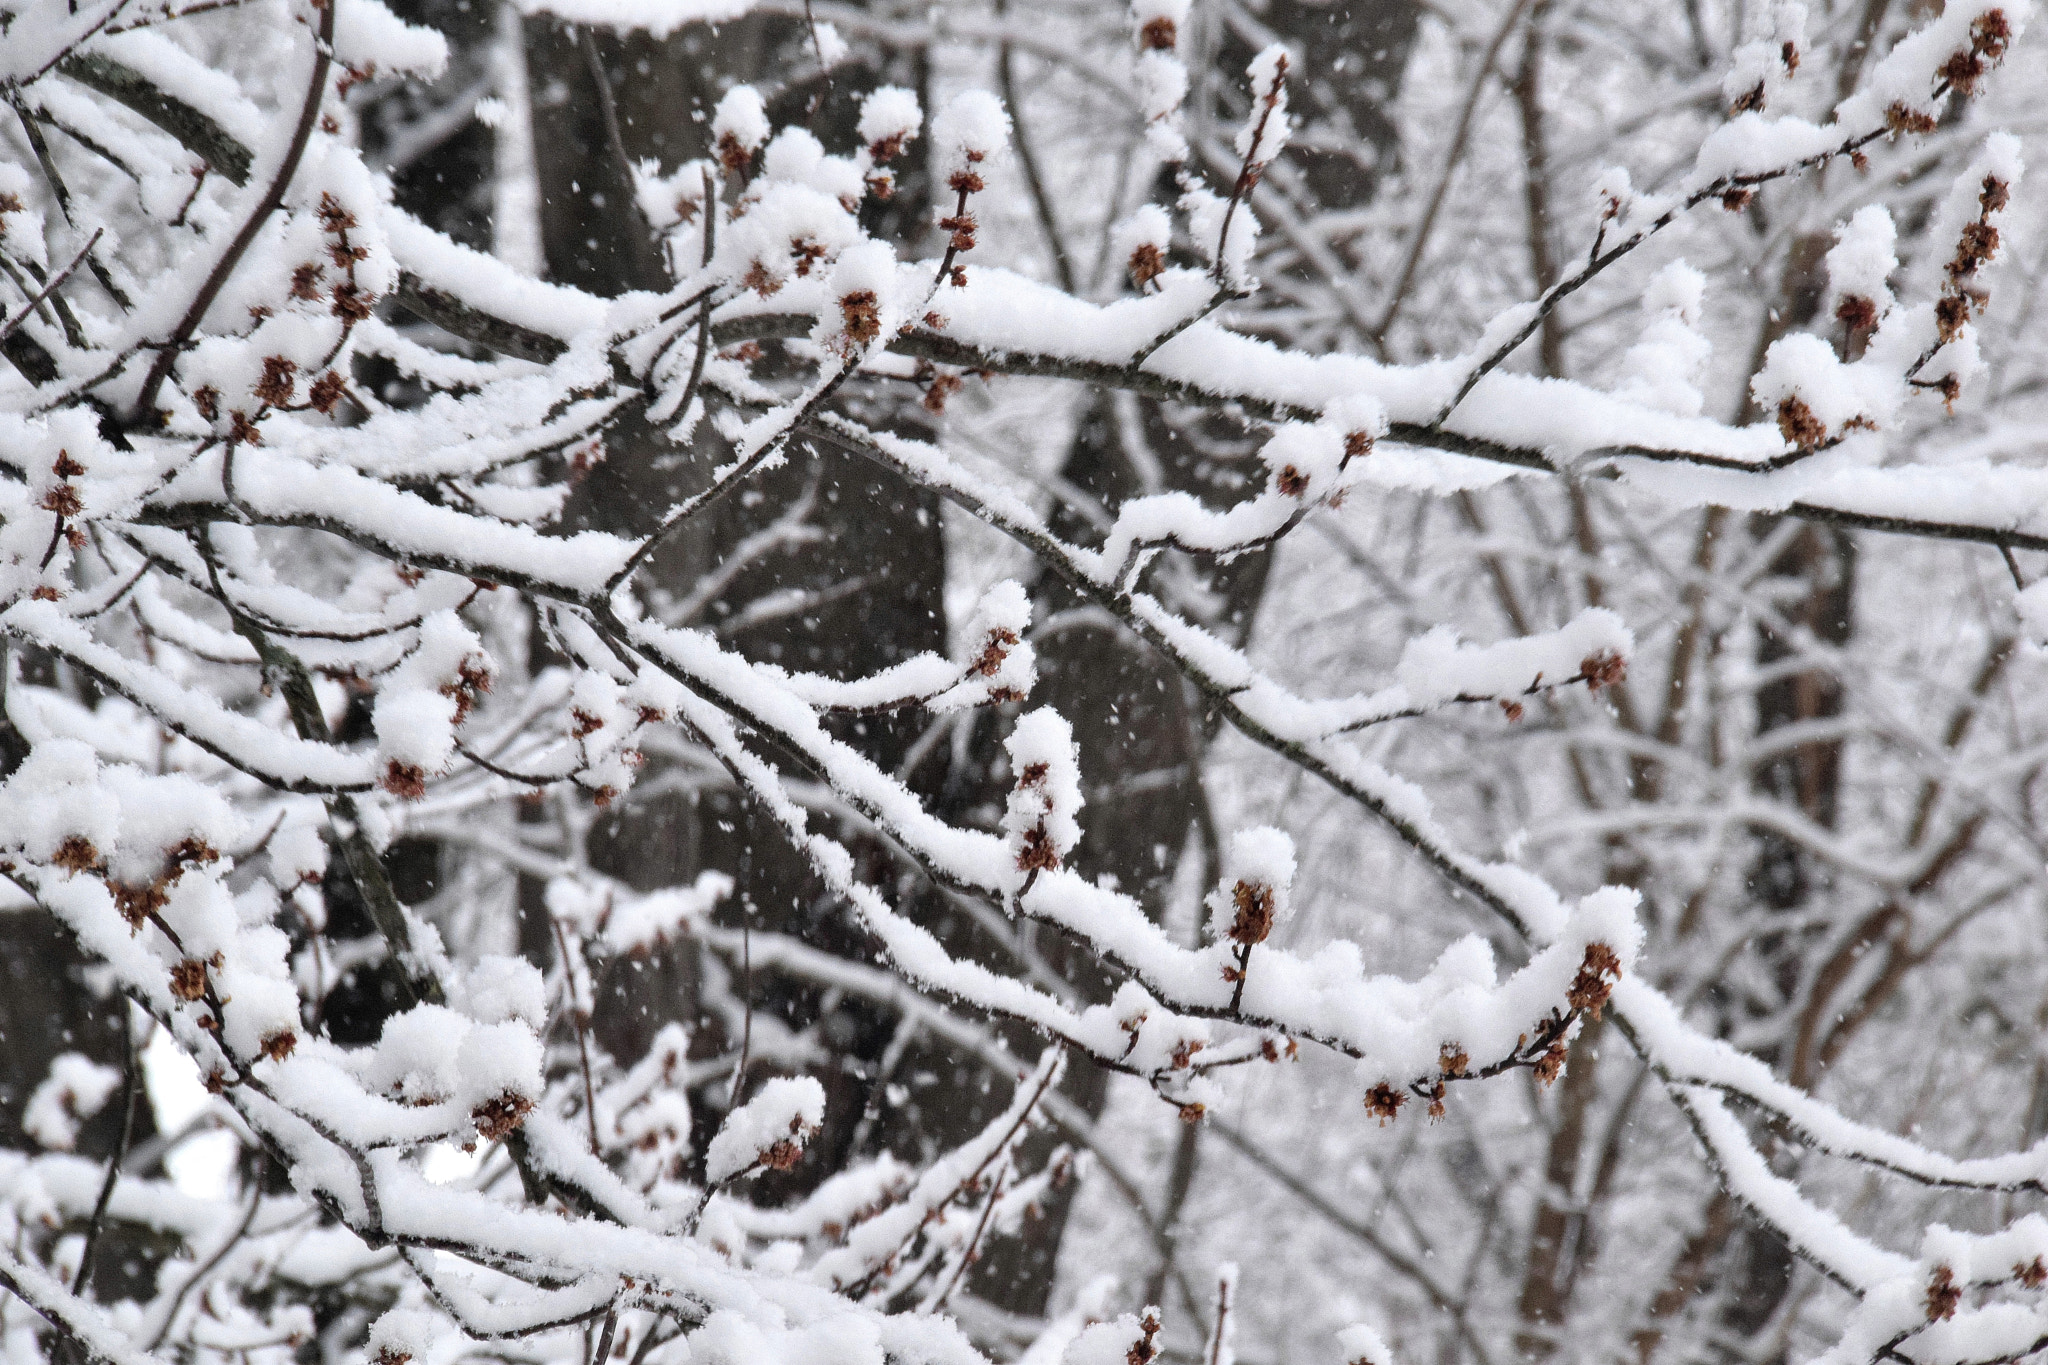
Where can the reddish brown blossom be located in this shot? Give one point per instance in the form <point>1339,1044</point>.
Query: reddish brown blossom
<point>1899,118</point>
<point>188,979</point>
<point>862,314</point>
<point>1384,1102</point>
<point>138,903</point>
<point>1943,1295</point>
<point>404,780</point>
<point>1598,972</point>
<point>733,155</point>
<point>1147,264</point>
<point>76,854</point>
<point>994,651</point>
<point>1254,904</point>
<point>1798,425</point>
<point>1856,312</point>
<point>500,1117</point>
<point>279,378</point>
<point>327,391</point>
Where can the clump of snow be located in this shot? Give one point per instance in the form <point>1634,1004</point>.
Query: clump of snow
<point>1266,128</point>
<point>1116,1342</point>
<point>498,988</point>
<point>76,1089</point>
<point>831,48</point>
<point>1160,76</point>
<point>1664,368</point>
<point>1438,667</point>
<point>494,1062</point>
<point>369,37</point>
<point>1763,65</point>
<point>1256,894</point>
<point>1814,394</point>
<point>1039,822</point>
<point>404,1336</point>
<point>768,1131</point>
<point>971,132</point>
<point>259,1010</point>
<point>1000,664</point>
<point>1307,460</point>
<point>889,120</point>
<point>739,125</point>
<point>1141,243</point>
<point>1860,264</point>
<point>1363,1346</point>
<point>1207,215</point>
<point>425,699</point>
<point>415,1057</point>
<point>53,799</point>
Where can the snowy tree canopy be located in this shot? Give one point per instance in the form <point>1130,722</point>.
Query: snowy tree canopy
<point>1596,616</point>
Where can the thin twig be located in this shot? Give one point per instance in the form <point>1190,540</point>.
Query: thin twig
<point>1034,179</point>
<point>131,1087</point>
<point>988,1210</point>
<point>579,1020</point>
<point>167,355</point>
<point>1248,175</point>
<point>1456,154</point>
<point>50,288</point>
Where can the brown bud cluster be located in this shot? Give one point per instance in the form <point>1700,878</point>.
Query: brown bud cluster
<point>732,155</point>
<point>1038,853</point>
<point>1147,264</point>
<point>468,686</point>
<point>1943,1295</point>
<point>995,651</point>
<point>1798,424</point>
<point>1146,1348</point>
<point>1603,669</point>
<point>406,781</point>
<point>327,391</point>
<point>1857,313</point>
<point>1975,247</point>
<point>940,385</point>
<point>1898,118</point>
<point>1384,1102</point>
<point>188,979</point>
<point>1594,983</point>
<point>76,854</point>
<point>1990,36</point>
<point>861,312</point>
<point>1254,903</point>
<point>1158,35</point>
<point>963,227</point>
<point>279,378</point>
<point>498,1118</point>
